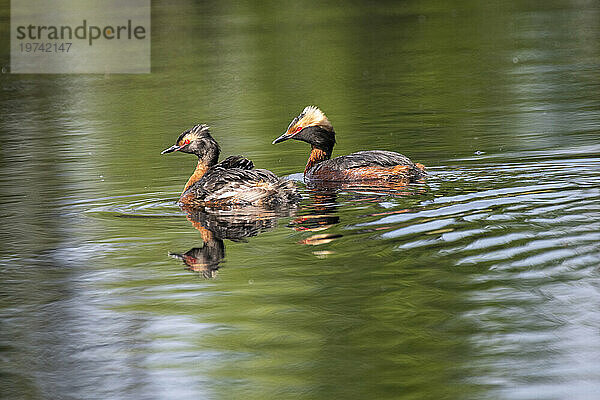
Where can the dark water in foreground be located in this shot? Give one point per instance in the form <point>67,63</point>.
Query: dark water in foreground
<point>481,283</point>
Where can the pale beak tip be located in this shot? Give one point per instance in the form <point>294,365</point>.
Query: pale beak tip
<point>170,149</point>
<point>281,138</point>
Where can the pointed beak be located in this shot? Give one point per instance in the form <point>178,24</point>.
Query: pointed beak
<point>171,149</point>
<point>282,138</point>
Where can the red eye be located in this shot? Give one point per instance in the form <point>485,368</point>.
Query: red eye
<point>298,129</point>
<point>187,141</point>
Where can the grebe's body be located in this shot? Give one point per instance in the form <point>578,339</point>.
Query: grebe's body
<point>233,181</point>
<point>364,166</point>
<point>313,127</point>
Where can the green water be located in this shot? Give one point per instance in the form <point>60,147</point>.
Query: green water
<point>481,283</point>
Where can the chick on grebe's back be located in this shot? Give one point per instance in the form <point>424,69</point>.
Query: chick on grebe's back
<point>231,182</point>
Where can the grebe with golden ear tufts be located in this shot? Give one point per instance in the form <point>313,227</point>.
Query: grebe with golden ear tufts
<point>313,127</point>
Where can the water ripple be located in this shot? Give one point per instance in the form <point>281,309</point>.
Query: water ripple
<point>517,224</point>
<point>148,205</point>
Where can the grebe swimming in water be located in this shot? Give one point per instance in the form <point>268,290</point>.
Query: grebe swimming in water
<point>233,181</point>
<point>313,127</point>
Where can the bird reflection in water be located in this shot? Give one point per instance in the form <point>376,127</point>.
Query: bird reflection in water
<point>217,225</point>
<point>321,214</point>
<point>318,216</point>
<point>362,190</point>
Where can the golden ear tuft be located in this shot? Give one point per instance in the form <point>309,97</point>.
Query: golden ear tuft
<point>312,115</point>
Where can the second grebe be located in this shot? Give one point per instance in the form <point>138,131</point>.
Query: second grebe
<point>313,127</point>
<point>233,181</point>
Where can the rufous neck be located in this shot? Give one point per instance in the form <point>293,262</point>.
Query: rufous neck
<point>316,156</point>
<point>207,236</point>
<point>199,172</point>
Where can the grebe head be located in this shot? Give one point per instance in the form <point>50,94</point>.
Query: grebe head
<point>311,126</point>
<point>198,141</point>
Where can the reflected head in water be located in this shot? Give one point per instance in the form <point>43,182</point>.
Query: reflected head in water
<point>313,127</point>
<point>217,225</point>
<point>204,260</point>
<point>231,183</point>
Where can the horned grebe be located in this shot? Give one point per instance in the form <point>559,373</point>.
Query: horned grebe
<point>313,127</point>
<point>233,181</point>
